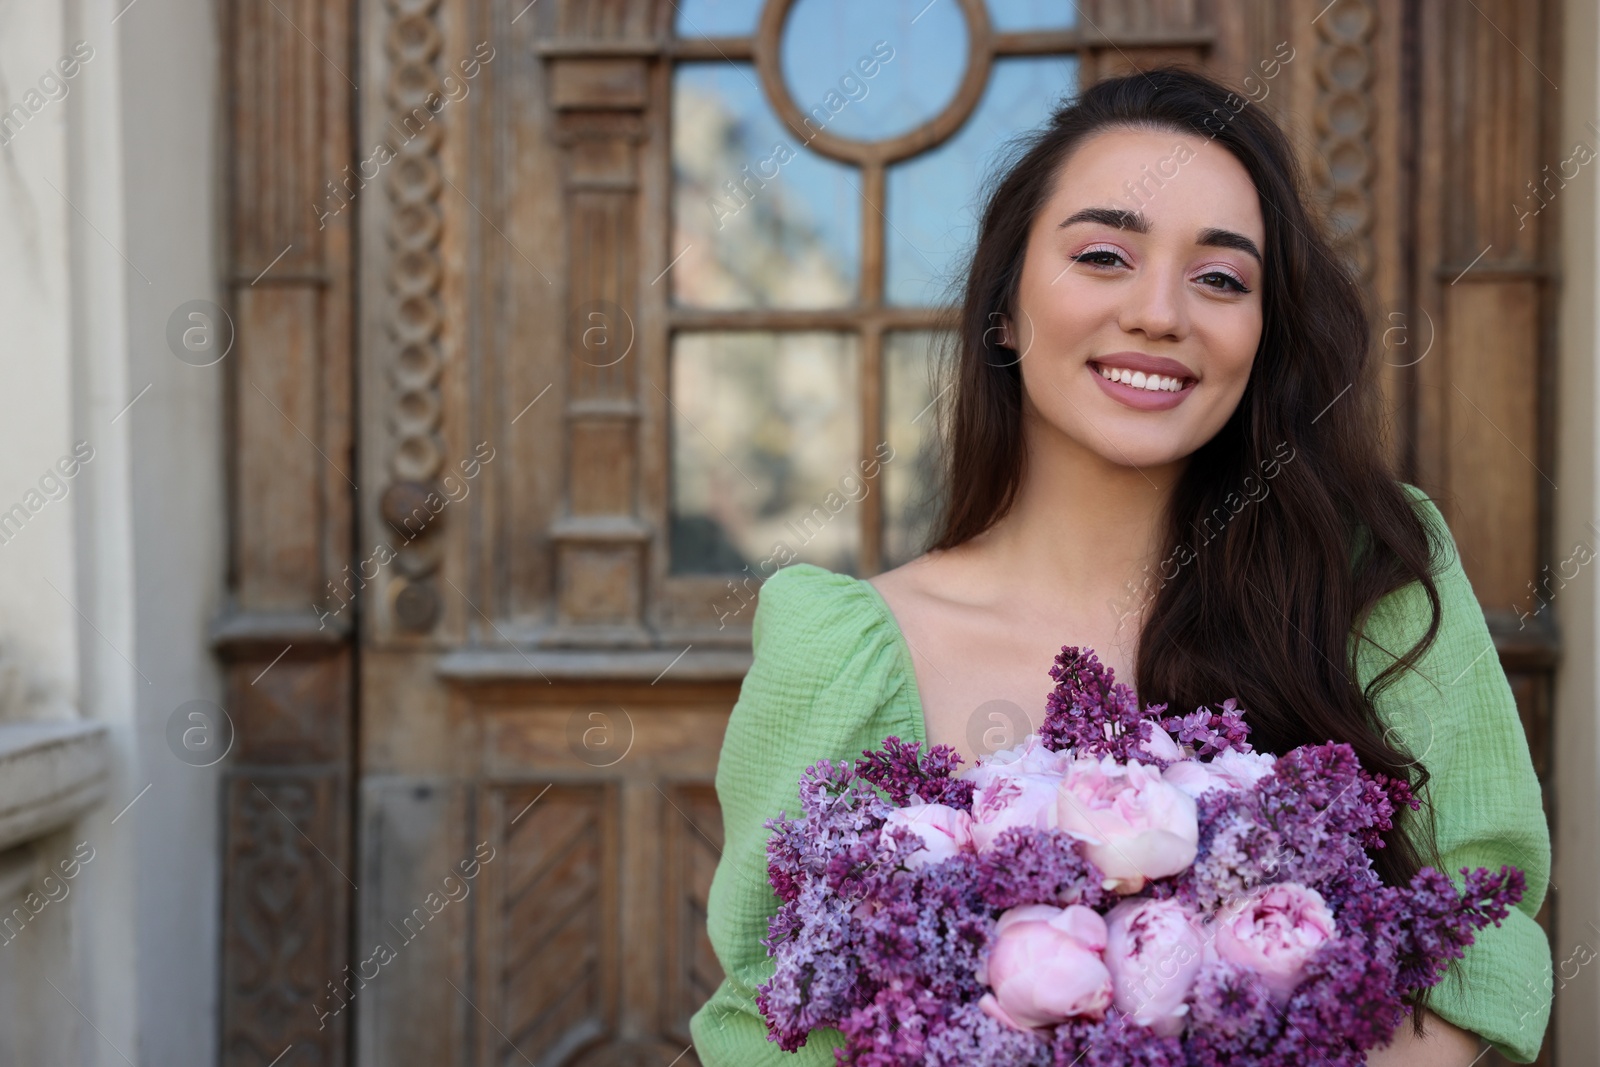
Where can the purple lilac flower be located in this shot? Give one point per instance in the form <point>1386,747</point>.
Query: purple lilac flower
<point>889,955</point>
<point>906,779</point>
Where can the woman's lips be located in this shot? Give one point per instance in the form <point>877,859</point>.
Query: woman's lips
<point>1140,399</point>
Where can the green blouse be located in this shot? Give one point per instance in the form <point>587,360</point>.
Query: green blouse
<point>832,675</point>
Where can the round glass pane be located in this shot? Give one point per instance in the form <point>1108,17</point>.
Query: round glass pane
<point>872,71</point>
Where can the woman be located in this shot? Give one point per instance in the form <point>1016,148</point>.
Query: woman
<point>1162,443</point>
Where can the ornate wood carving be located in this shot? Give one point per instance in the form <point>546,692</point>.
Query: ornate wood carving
<point>283,950</point>
<point>1344,65</point>
<point>414,100</point>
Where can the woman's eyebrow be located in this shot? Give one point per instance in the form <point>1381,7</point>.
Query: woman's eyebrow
<point>1229,239</point>
<point>1123,219</point>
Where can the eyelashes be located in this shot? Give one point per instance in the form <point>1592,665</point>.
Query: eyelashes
<point>1107,257</point>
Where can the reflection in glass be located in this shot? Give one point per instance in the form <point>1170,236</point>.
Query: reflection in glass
<point>1010,15</point>
<point>764,440</point>
<point>910,479</point>
<point>717,18</point>
<point>766,222</point>
<point>871,71</point>
<point>934,197</point>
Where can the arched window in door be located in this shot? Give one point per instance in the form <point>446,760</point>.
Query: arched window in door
<point>826,161</point>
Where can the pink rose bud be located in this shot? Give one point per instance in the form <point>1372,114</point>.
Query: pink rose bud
<point>1154,951</point>
<point>1008,800</point>
<point>1134,826</point>
<point>1044,966</point>
<point>943,830</point>
<point>1273,932</point>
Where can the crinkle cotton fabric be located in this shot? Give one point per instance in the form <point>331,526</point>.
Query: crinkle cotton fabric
<point>832,675</point>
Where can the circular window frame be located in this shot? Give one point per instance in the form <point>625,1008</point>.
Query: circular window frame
<point>980,58</point>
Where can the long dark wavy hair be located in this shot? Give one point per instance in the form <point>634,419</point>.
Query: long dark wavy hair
<point>1266,608</point>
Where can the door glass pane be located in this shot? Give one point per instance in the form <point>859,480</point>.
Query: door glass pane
<point>1032,14</point>
<point>910,478</point>
<point>871,71</point>
<point>717,18</point>
<point>766,429</point>
<point>933,198</point>
<point>758,220</point>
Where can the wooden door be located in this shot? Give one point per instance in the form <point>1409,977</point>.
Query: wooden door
<point>540,348</point>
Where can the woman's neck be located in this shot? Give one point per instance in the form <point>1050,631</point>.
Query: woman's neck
<point>1082,530</point>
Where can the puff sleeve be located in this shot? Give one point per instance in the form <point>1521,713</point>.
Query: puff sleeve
<point>826,681</point>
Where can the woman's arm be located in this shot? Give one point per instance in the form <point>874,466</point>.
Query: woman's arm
<point>821,685</point>
<point>1456,714</point>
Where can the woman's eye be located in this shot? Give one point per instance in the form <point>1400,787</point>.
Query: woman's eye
<point>1099,257</point>
<point>1222,280</point>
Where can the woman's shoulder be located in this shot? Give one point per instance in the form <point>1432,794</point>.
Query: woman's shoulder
<point>803,598</point>
<point>826,678</point>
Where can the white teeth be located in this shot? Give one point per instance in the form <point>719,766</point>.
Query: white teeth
<point>1140,380</point>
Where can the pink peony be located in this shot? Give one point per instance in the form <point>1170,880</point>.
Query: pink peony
<point>1030,757</point>
<point>1153,950</point>
<point>1226,770</point>
<point>1273,932</point>
<point>1044,966</point>
<point>1161,745</point>
<point>1013,800</point>
<point>944,831</point>
<point>1134,826</point>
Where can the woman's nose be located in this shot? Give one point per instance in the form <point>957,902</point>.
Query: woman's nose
<point>1154,305</point>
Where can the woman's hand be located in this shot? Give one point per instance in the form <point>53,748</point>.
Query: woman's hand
<point>1441,1045</point>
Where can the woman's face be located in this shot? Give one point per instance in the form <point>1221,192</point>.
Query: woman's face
<point>1144,263</point>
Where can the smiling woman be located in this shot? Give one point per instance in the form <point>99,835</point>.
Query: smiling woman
<point>1119,375</point>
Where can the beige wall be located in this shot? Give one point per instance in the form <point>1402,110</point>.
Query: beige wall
<point>108,221</point>
<point>1576,875</point>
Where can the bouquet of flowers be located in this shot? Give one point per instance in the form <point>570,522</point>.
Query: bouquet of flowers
<point>1123,888</point>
